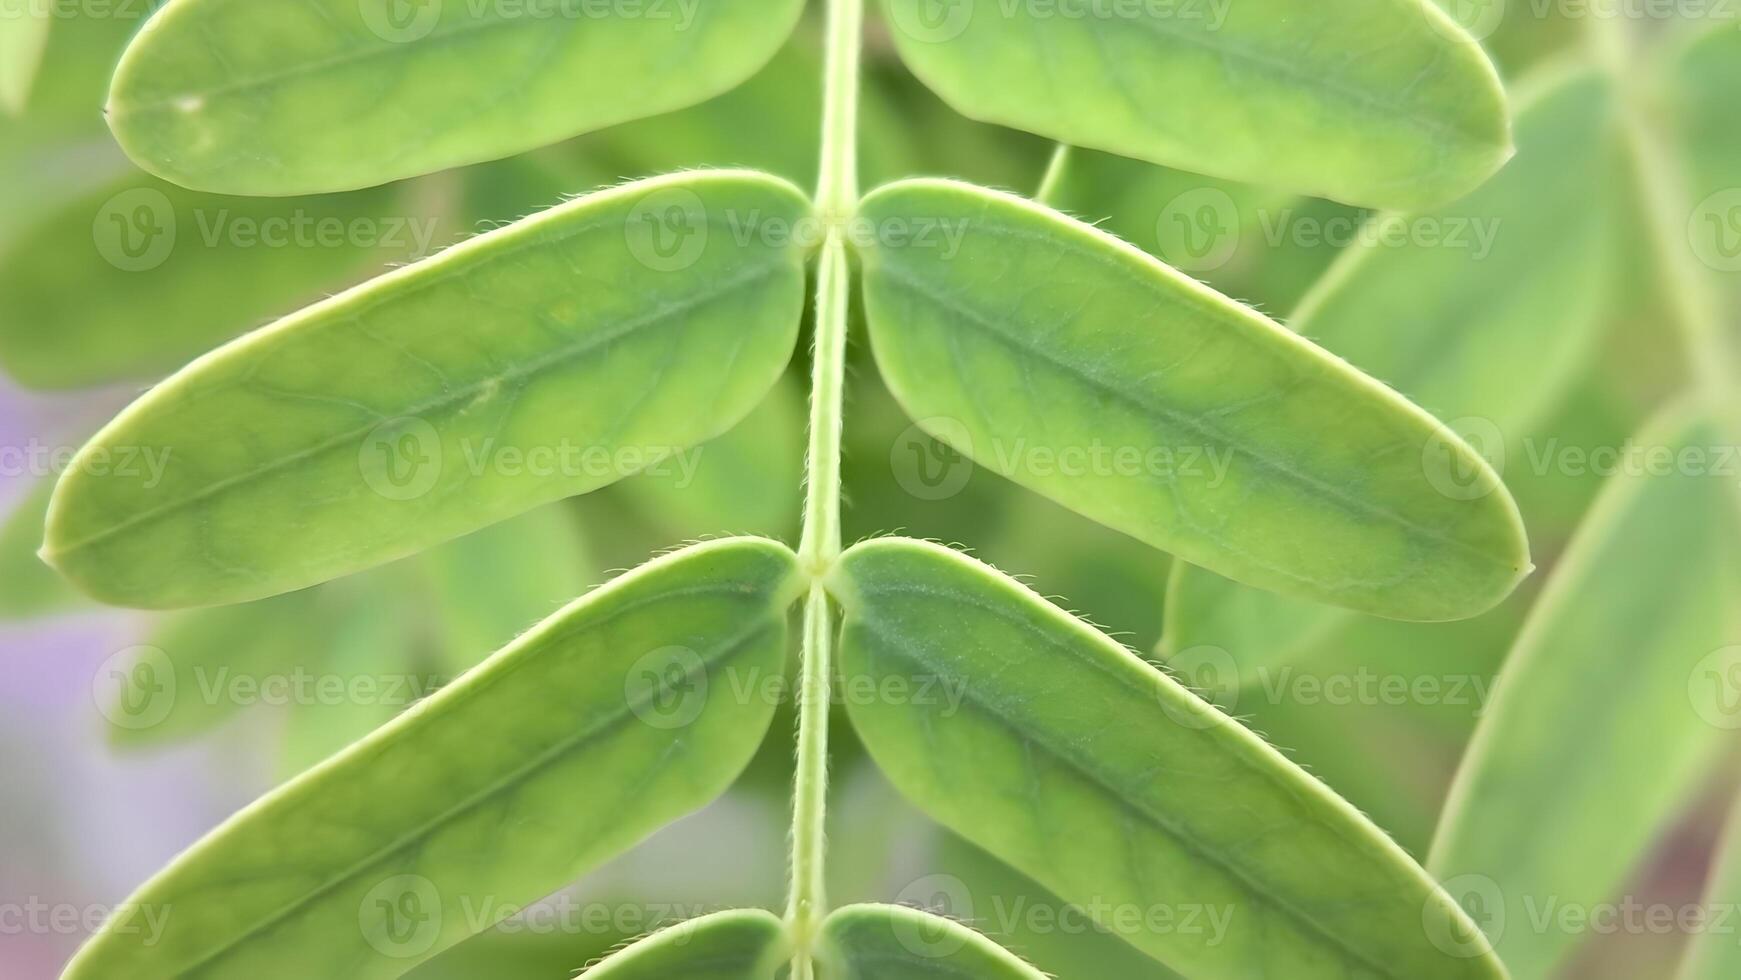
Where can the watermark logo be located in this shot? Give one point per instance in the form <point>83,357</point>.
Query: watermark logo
<point>401,459</point>
<point>941,895</point>
<point>925,461</point>
<point>1715,230</point>
<point>667,688</point>
<point>1448,465</point>
<point>931,21</point>
<point>1212,675</point>
<point>1482,921</point>
<point>134,231</point>
<point>135,688</point>
<point>401,916</point>
<point>1198,231</point>
<point>401,21</point>
<point>1714,688</point>
<point>667,229</point>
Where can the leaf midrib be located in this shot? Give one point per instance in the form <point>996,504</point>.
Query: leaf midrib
<point>901,647</point>
<point>987,327</point>
<point>564,747</point>
<point>589,342</point>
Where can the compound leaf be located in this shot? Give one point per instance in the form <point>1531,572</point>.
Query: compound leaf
<point>1081,368</point>
<point>604,723</point>
<point>1065,755</point>
<point>1612,704</point>
<point>1377,102</point>
<point>543,360</point>
<point>742,944</point>
<point>891,942</point>
<point>301,98</point>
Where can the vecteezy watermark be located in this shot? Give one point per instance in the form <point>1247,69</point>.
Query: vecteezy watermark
<point>949,897</point>
<point>146,464</point>
<point>669,688</point>
<point>139,229</point>
<point>1214,674</point>
<point>1490,911</point>
<point>128,10</point>
<point>405,21</point>
<point>1479,19</point>
<point>34,916</point>
<point>1714,688</point>
<point>669,229</point>
<point>939,21</point>
<point>1715,230</point>
<point>404,459</point>
<point>1203,229</point>
<point>1454,473</point>
<point>933,459</point>
<point>139,687</point>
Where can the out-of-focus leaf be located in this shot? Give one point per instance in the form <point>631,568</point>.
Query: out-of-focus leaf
<point>1707,118</point>
<point>135,279</point>
<point>1040,740</point>
<point>744,944</point>
<point>1713,953</point>
<point>1491,306</point>
<point>1084,369</point>
<point>330,95</point>
<point>491,584</point>
<point>24,26</point>
<point>748,481</point>
<point>606,722</point>
<point>1263,246</point>
<point>32,588</point>
<point>200,667</point>
<point>889,942</point>
<point>1611,706</point>
<point>543,360</point>
<point>358,681</point>
<point>1379,102</point>
<point>1488,321</point>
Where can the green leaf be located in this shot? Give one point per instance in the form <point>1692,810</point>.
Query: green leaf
<point>1048,744</point>
<point>1611,706</point>
<point>1376,102</point>
<point>1083,369</point>
<point>606,722</point>
<point>24,26</point>
<point>32,588</point>
<point>200,667</point>
<point>743,944</point>
<point>362,677</point>
<point>889,942</point>
<point>135,278</point>
<point>1701,79</point>
<point>748,481</point>
<point>488,586</point>
<point>1492,306</point>
<point>226,96</point>
<point>1485,311</point>
<point>546,359</point>
<point>1713,953</point>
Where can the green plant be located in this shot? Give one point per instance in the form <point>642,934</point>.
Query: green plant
<point>650,317</point>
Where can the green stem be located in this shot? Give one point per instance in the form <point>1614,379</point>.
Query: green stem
<point>1053,181</point>
<point>837,199</point>
<point>1661,180</point>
